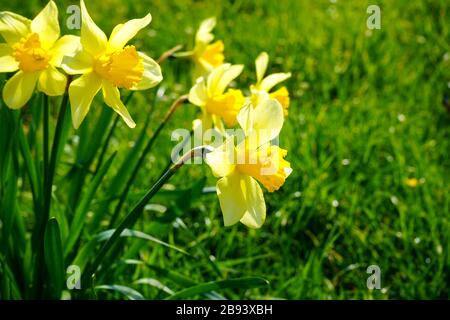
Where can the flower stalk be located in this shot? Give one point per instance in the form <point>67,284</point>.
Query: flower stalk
<point>135,213</point>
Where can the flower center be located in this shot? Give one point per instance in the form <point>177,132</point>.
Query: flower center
<point>226,106</point>
<point>213,54</point>
<point>268,166</point>
<point>30,54</point>
<point>123,68</point>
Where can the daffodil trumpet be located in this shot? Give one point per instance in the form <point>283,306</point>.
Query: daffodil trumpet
<point>243,164</point>
<point>34,50</point>
<point>262,90</point>
<point>108,64</point>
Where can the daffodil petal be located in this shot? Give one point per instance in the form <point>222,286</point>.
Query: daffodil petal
<point>46,25</point>
<point>66,45</point>
<point>229,75</point>
<point>261,63</point>
<point>81,93</point>
<point>232,198</point>
<point>19,89</point>
<point>79,62</point>
<point>214,79</point>
<point>93,38</point>
<point>268,119</point>
<point>245,118</point>
<point>221,159</point>
<point>255,214</point>
<point>198,94</point>
<point>152,73</point>
<point>52,82</point>
<point>123,33</point>
<point>112,98</point>
<point>272,80</point>
<point>204,35</point>
<point>13,27</point>
<point>7,62</point>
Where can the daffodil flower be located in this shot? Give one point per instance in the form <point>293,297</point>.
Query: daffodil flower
<point>262,89</point>
<point>254,159</point>
<point>34,49</point>
<point>216,104</point>
<point>108,65</point>
<point>206,54</point>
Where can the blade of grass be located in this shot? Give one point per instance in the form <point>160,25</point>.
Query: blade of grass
<point>241,283</point>
<point>126,291</point>
<point>106,235</point>
<point>182,280</point>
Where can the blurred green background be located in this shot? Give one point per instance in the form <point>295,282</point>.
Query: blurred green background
<point>368,112</point>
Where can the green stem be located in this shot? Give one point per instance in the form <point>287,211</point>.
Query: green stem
<point>45,142</point>
<point>134,214</point>
<point>54,155</point>
<point>49,170</point>
<point>141,159</point>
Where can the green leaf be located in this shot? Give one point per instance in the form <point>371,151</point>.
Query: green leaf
<point>241,283</point>
<point>126,291</point>
<point>54,258</point>
<point>106,235</point>
<point>155,283</point>
<point>182,280</point>
<point>8,285</point>
<point>83,208</point>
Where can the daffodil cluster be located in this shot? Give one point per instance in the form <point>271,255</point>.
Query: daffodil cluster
<point>246,160</point>
<point>36,51</point>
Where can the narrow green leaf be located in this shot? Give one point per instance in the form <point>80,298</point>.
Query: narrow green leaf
<point>182,280</point>
<point>54,258</point>
<point>126,291</point>
<point>106,235</point>
<point>9,288</point>
<point>82,210</point>
<point>154,283</point>
<point>241,283</point>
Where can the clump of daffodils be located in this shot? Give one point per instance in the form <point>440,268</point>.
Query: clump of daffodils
<point>248,161</point>
<point>36,51</point>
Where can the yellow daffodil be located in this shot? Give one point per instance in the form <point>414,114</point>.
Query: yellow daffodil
<point>34,49</point>
<point>206,54</point>
<point>254,159</point>
<point>216,104</point>
<point>108,65</point>
<point>261,90</point>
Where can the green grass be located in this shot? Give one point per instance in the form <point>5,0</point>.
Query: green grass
<point>366,114</point>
